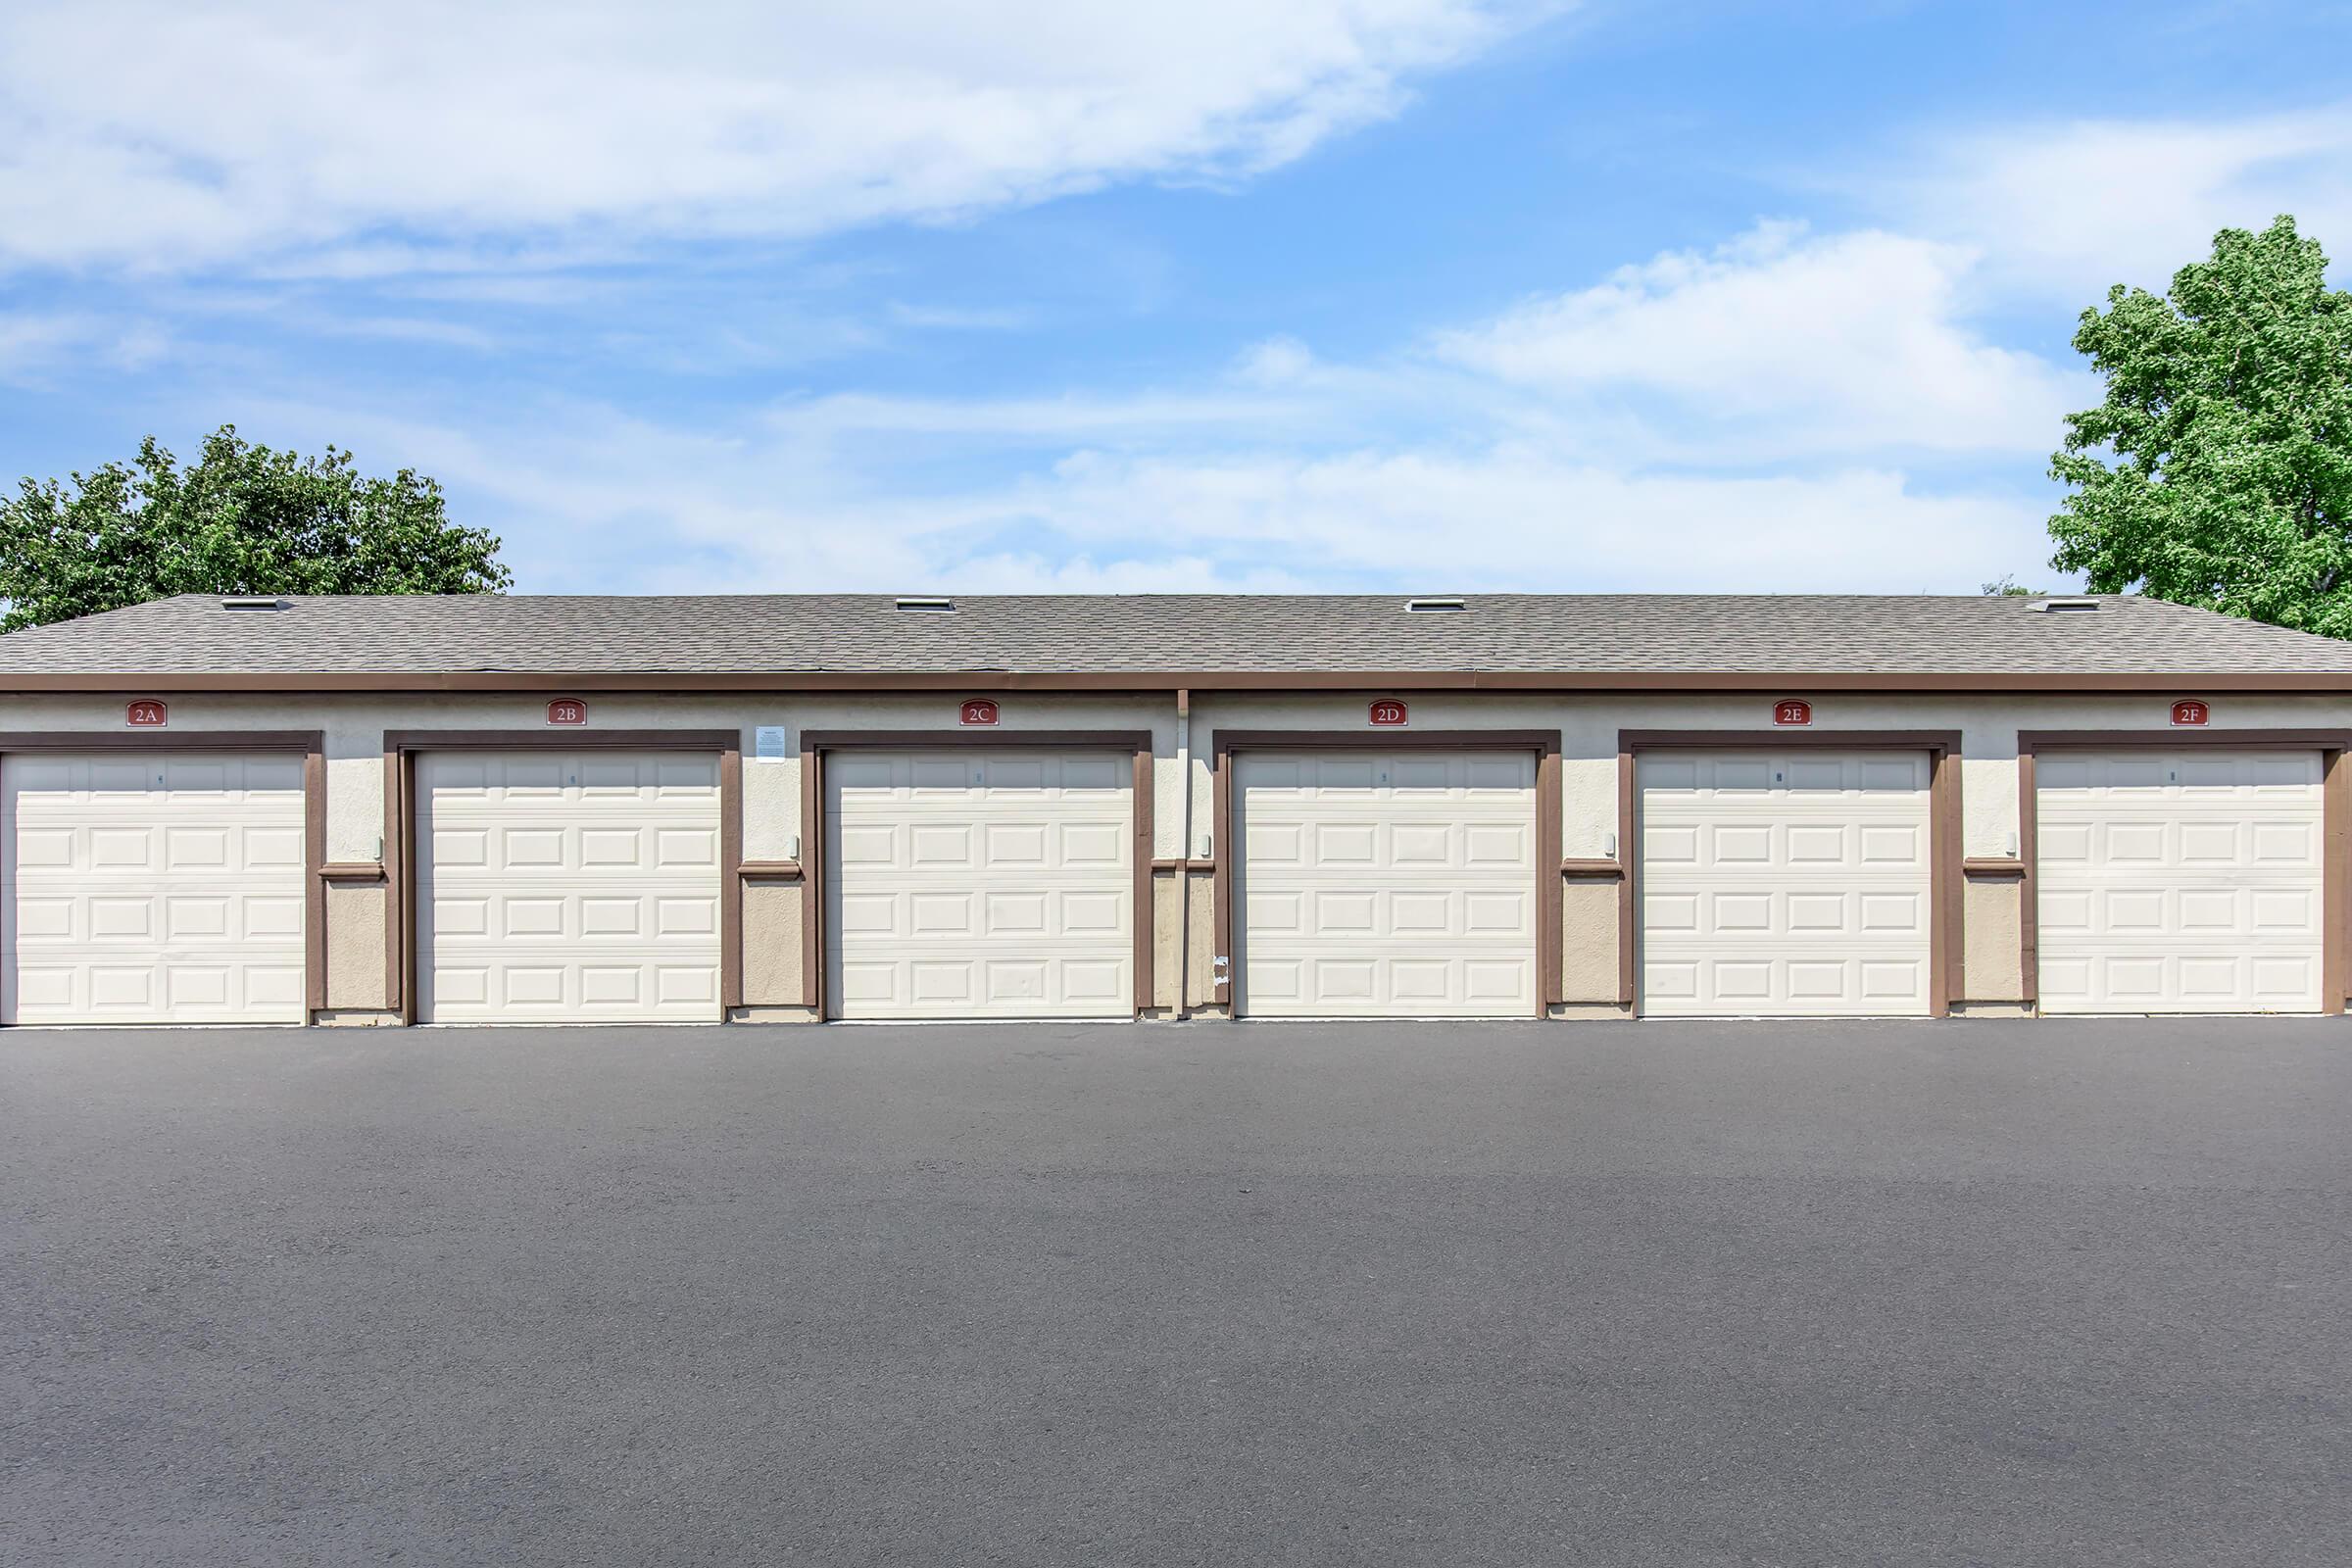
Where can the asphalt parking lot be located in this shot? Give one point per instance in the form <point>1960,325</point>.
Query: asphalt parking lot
<point>1972,1292</point>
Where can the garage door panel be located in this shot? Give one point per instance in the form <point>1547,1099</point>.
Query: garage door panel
<point>1892,914</point>
<point>1498,913</point>
<point>979,884</point>
<point>197,849</point>
<point>1670,845</point>
<point>567,887</point>
<point>159,889</point>
<point>525,918</point>
<point>1091,845</point>
<point>1882,845</point>
<point>1416,981</point>
<point>860,982</point>
<point>1345,844</point>
<point>940,915</point>
<point>1504,846</point>
<point>1891,980</point>
<point>2185,882</point>
<point>1794,884</point>
<point>1737,846</point>
<point>1387,884</point>
<point>1421,913</point>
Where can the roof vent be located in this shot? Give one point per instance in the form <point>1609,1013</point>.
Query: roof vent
<point>928,606</point>
<point>253,604</point>
<point>1433,607</point>
<point>2067,607</point>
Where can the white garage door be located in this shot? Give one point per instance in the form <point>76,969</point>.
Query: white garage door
<point>2186,882</point>
<point>980,884</point>
<point>1791,885</point>
<point>157,889</point>
<point>578,888</point>
<point>1378,885</point>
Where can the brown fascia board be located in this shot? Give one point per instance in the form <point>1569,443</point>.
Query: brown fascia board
<point>1389,680</point>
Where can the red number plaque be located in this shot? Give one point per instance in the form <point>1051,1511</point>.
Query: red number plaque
<point>567,710</point>
<point>2188,710</point>
<point>146,713</point>
<point>1792,711</point>
<point>978,710</point>
<point>1388,713</point>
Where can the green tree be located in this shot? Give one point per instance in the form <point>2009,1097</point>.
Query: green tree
<point>242,519</point>
<point>2219,470</point>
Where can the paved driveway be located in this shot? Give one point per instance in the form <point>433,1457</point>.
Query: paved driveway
<point>1962,1293</point>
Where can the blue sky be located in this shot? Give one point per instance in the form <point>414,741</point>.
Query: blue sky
<point>1378,294</point>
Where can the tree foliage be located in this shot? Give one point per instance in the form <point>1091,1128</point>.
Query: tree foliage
<point>242,519</point>
<point>2218,471</point>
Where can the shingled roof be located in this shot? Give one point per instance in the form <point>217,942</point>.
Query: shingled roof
<point>196,642</point>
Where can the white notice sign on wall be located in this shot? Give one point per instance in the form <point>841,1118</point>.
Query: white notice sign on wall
<point>768,743</point>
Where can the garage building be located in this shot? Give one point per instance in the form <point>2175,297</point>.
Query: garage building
<point>493,810</point>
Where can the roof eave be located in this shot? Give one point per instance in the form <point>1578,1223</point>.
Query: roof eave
<point>1794,680</point>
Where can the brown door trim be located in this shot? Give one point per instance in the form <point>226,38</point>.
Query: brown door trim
<point>401,747</point>
<point>1545,743</point>
<point>1946,946</point>
<point>309,744</point>
<point>817,866</point>
<point>2335,828</point>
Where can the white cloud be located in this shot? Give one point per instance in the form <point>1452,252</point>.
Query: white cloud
<point>393,137</point>
<point>1786,342</point>
<point>1741,419</point>
<point>2061,211</point>
<point>589,500</point>
<point>1514,515</point>
<point>35,346</point>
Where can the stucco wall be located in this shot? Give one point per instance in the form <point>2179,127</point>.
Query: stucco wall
<point>771,944</point>
<point>1990,912</point>
<point>773,828</point>
<point>355,946</point>
<point>1589,939</point>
